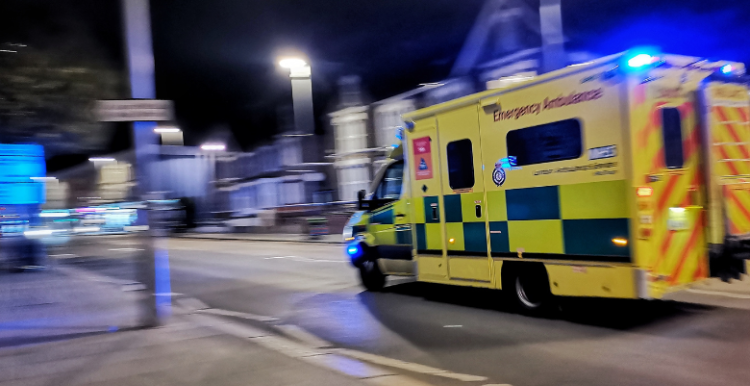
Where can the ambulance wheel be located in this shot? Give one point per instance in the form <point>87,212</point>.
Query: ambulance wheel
<point>371,276</point>
<point>527,288</point>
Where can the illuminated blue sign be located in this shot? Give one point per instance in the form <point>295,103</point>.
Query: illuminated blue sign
<point>18,164</point>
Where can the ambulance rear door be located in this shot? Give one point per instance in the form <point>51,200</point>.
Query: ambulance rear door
<point>667,152</point>
<point>726,136</point>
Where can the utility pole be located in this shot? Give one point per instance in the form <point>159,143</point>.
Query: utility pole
<point>153,262</point>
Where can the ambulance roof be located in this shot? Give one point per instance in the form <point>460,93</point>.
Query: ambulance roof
<point>489,96</point>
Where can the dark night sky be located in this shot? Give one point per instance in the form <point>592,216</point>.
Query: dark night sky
<point>216,58</point>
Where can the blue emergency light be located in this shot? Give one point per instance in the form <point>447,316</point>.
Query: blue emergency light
<point>641,60</point>
<point>353,250</point>
<point>400,133</point>
<point>727,68</point>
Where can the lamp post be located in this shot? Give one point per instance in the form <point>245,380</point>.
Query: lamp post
<point>152,267</point>
<point>302,103</point>
<point>553,41</point>
<point>211,149</point>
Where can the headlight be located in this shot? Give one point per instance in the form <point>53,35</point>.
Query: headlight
<point>348,233</point>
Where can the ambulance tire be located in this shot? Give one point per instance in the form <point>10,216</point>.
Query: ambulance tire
<point>372,278</point>
<point>526,288</point>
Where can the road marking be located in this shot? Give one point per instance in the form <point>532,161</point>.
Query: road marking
<point>717,293</point>
<point>408,366</point>
<point>286,346</point>
<point>394,380</point>
<point>229,327</point>
<point>64,256</point>
<point>88,275</point>
<point>312,349</point>
<point>192,304</point>
<point>133,287</point>
<point>348,366</point>
<point>304,259</point>
<point>453,326</point>
<point>304,336</point>
<point>236,314</point>
<point>330,361</point>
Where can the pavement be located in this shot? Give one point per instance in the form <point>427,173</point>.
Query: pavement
<point>51,304</point>
<point>290,313</point>
<point>714,292</point>
<point>68,325</point>
<point>182,352</point>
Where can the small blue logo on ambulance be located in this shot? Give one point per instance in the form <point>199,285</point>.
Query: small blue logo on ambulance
<point>498,175</point>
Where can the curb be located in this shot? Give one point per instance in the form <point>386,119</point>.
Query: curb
<point>226,238</point>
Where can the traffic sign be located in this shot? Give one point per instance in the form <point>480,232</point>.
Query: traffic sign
<point>132,110</point>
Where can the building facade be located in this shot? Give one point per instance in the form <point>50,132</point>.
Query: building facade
<point>507,44</point>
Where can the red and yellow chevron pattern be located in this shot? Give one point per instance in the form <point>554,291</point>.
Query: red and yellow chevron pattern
<point>673,257</point>
<point>730,131</point>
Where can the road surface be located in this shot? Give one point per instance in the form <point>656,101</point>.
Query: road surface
<point>465,330</point>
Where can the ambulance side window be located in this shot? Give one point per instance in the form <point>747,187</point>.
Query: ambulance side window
<point>460,164</point>
<point>671,129</point>
<point>390,186</point>
<point>555,141</point>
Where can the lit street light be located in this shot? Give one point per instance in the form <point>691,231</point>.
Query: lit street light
<point>162,130</point>
<point>102,159</point>
<point>292,63</point>
<point>302,103</point>
<point>170,135</point>
<point>213,147</point>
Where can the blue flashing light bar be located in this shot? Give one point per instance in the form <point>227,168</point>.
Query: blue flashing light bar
<point>641,60</point>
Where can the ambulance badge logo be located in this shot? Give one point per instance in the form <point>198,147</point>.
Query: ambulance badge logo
<point>498,175</point>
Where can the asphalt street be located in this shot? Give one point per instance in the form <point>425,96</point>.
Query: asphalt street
<point>464,330</point>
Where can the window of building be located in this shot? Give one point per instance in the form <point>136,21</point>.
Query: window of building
<point>390,186</point>
<point>460,164</point>
<point>556,141</point>
<point>671,129</point>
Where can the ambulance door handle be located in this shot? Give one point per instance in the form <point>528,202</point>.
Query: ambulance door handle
<point>434,213</point>
<point>478,210</point>
<point>400,215</point>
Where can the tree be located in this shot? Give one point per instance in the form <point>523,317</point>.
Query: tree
<point>48,86</point>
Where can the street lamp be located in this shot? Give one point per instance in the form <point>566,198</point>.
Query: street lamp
<point>213,147</point>
<point>292,63</point>
<point>302,103</point>
<point>162,130</point>
<point>170,135</point>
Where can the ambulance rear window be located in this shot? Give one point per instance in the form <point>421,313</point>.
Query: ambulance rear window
<point>556,141</point>
<point>672,134</point>
<point>460,164</point>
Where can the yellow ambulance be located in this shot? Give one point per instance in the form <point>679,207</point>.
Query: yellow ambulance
<point>624,177</point>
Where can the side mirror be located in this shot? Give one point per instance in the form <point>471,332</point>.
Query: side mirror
<point>360,198</point>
